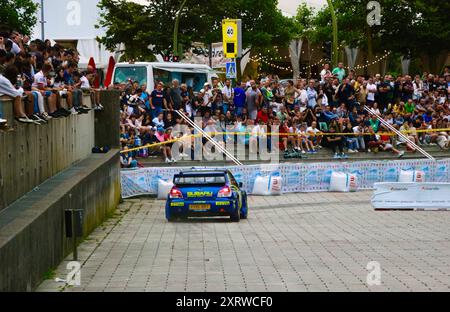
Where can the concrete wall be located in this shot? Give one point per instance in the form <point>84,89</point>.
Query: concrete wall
<point>107,133</point>
<point>45,170</point>
<point>32,229</point>
<point>31,154</point>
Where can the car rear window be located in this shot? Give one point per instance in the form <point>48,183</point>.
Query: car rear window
<point>210,179</point>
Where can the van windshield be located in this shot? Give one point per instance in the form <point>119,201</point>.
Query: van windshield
<point>193,80</point>
<point>135,73</point>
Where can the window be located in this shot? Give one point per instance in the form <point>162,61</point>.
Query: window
<point>135,73</point>
<point>195,180</point>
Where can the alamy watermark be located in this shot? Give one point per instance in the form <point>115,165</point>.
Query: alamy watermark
<point>374,16</point>
<point>374,276</point>
<point>73,278</point>
<point>262,145</point>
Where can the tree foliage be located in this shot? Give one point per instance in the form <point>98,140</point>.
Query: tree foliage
<point>139,27</point>
<point>407,27</point>
<point>18,15</point>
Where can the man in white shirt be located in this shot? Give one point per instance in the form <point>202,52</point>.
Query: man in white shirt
<point>208,96</point>
<point>228,94</point>
<point>359,131</point>
<point>40,84</point>
<point>7,88</point>
<point>325,74</point>
<point>314,134</point>
<point>372,90</point>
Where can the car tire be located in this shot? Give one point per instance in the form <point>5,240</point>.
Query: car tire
<point>172,218</point>
<point>236,216</point>
<point>244,208</point>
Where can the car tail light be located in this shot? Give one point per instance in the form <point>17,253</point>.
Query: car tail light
<point>224,192</point>
<point>175,193</point>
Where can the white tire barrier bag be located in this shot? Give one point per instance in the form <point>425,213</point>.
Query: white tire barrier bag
<point>164,188</point>
<point>343,182</point>
<point>268,185</point>
<point>410,176</point>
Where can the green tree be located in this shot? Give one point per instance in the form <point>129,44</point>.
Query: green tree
<point>139,27</point>
<point>18,15</point>
<point>407,27</point>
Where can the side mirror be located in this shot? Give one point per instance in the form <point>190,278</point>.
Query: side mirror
<point>240,184</point>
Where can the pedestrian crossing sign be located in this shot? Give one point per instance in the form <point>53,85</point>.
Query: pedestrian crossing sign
<point>231,70</point>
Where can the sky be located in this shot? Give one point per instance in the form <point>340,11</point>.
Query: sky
<point>287,6</point>
<point>290,6</point>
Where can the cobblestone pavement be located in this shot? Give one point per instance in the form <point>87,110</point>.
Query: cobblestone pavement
<point>297,242</point>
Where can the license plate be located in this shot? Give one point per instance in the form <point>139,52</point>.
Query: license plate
<point>199,207</point>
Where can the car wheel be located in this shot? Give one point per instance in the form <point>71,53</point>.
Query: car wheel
<point>236,216</point>
<point>244,209</point>
<point>172,218</point>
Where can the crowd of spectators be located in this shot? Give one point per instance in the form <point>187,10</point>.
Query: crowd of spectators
<point>38,75</point>
<point>307,114</point>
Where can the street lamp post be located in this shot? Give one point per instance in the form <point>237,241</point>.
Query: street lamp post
<point>335,33</point>
<point>175,30</point>
<point>42,21</point>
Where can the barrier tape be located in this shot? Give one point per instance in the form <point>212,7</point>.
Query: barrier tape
<point>276,134</point>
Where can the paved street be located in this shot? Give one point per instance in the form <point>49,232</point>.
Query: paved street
<point>297,242</point>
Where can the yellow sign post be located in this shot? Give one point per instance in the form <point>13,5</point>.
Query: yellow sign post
<point>232,38</point>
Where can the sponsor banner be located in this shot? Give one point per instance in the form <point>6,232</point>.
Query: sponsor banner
<point>423,196</point>
<point>199,54</point>
<point>296,178</point>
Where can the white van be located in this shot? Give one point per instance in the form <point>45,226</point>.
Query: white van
<point>194,75</point>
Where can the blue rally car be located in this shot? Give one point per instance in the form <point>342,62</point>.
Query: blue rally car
<point>201,193</point>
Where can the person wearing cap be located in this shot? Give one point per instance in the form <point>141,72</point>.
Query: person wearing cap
<point>207,95</point>
<point>149,137</point>
<point>159,120</point>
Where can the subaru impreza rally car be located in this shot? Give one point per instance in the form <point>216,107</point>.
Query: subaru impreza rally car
<point>206,193</point>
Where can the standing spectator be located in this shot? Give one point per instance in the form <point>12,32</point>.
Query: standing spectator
<point>157,100</point>
<point>325,74</point>
<point>339,72</point>
<point>239,98</point>
<point>253,96</point>
<point>371,92</point>
<point>175,95</point>
<point>228,95</point>
<point>312,94</point>
<point>385,93</point>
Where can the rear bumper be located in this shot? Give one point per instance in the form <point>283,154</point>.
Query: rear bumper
<point>217,208</point>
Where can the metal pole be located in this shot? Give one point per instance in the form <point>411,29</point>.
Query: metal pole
<point>74,237</point>
<point>175,30</point>
<point>210,55</point>
<point>208,137</point>
<point>42,21</point>
<point>335,55</point>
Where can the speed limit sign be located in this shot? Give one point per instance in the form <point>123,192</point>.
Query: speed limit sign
<point>232,38</point>
<point>230,31</point>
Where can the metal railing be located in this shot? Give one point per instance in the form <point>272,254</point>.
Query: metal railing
<point>404,137</point>
<point>209,138</point>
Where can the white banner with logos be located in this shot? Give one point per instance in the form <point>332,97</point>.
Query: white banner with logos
<point>419,196</point>
<point>199,54</point>
<point>297,178</point>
